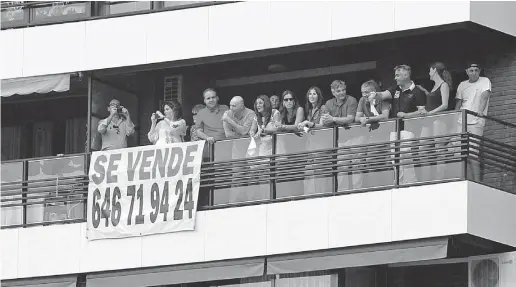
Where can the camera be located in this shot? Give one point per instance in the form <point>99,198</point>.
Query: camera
<point>119,109</point>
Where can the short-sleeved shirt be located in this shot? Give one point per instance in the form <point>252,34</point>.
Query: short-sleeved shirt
<point>245,120</point>
<point>116,134</point>
<point>364,106</point>
<point>407,100</point>
<point>470,94</point>
<point>346,108</point>
<point>210,121</point>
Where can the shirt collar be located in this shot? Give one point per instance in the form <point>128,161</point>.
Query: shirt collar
<point>216,109</point>
<point>412,87</point>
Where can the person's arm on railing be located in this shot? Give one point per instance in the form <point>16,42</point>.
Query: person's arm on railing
<point>299,119</point>
<point>351,112</point>
<point>445,95</point>
<point>242,130</point>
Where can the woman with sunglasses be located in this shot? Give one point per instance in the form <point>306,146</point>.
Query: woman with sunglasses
<point>291,114</point>
<point>171,128</point>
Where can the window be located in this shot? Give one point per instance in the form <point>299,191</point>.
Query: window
<point>14,14</point>
<point>121,7</point>
<point>57,11</point>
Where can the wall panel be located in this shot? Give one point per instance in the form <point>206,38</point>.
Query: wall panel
<point>116,42</point>
<point>54,49</point>
<point>429,211</point>
<point>9,241</point>
<point>176,35</point>
<point>49,250</point>
<point>239,27</point>
<point>12,53</point>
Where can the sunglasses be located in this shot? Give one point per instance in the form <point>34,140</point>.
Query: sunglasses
<point>288,99</point>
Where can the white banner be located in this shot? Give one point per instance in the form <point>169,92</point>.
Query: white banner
<point>143,190</point>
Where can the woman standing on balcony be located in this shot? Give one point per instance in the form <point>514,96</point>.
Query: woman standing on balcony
<point>264,124</point>
<point>291,114</point>
<point>436,101</point>
<point>314,109</point>
<point>171,128</point>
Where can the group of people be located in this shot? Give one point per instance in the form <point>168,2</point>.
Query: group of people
<point>214,121</point>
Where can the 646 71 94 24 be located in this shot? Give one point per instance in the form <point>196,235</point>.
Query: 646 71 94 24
<point>112,211</point>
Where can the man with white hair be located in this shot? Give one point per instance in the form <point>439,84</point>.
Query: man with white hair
<point>408,100</point>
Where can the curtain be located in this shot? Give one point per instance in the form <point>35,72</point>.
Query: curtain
<point>75,135</point>
<point>11,142</point>
<point>42,135</point>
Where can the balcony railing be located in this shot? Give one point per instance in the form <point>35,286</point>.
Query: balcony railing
<point>287,166</point>
<point>17,14</point>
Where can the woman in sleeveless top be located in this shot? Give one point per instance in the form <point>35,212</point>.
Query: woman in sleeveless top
<point>172,128</point>
<point>264,124</point>
<point>436,101</point>
<point>314,108</point>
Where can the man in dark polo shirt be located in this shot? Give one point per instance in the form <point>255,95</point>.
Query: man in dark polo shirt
<point>209,120</point>
<point>408,100</point>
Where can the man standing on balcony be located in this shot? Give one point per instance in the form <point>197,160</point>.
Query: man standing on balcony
<point>473,95</point>
<point>340,111</point>
<point>238,120</point>
<point>116,127</point>
<point>208,123</point>
<point>275,101</point>
<point>408,101</point>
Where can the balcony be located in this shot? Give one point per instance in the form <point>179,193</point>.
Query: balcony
<point>17,14</point>
<point>289,166</point>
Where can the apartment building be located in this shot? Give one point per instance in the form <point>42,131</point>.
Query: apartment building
<point>62,62</point>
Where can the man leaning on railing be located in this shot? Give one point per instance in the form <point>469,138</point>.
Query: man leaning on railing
<point>407,101</point>
<point>341,111</point>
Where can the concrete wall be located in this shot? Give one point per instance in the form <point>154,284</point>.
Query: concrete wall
<point>218,30</point>
<point>312,224</point>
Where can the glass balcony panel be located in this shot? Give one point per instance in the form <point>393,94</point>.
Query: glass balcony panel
<point>433,157</point>
<point>12,15</point>
<point>12,175</point>
<point>120,7</point>
<point>491,159</point>
<point>364,161</point>
<point>178,3</point>
<point>56,180</point>
<point>245,180</point>
<point>63,10</point>
<point>303,173</point>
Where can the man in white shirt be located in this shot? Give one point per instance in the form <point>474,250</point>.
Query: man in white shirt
<point>473,95</point>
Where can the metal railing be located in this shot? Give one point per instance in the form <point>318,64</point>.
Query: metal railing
<point>17,14</point>
<point>289,166</point>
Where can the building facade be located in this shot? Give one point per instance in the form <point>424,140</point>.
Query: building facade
<point>61,68</point>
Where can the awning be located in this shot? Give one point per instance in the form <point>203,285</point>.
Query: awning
<point>39,84</point>
<point>417,250</point>
<point>187,273</point>
<point>56,281</point>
